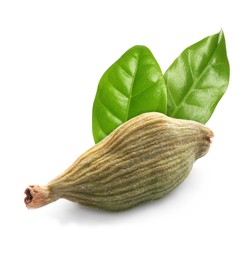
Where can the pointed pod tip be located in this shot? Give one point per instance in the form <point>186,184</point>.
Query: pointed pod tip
<point>29,197</point>
<point>37,196</point>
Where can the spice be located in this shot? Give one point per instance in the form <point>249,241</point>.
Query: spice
<point>143,159</point>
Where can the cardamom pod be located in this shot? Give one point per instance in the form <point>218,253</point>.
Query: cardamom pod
<point>143,159</point>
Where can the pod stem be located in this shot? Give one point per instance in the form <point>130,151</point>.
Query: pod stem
<point>38,196</point>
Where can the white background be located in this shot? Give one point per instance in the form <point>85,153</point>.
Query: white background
<point>52,55</point>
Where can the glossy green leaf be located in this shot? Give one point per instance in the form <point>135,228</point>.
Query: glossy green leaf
<point>197,79</point>
<point>134,84</point>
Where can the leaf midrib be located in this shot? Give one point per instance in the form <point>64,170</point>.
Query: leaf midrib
<point>195,82</point>
<point>132,85</point>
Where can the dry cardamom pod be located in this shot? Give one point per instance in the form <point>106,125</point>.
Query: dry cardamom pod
<point>142,160</point>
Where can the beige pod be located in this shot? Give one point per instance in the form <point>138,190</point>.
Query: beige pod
<point>143,159</point>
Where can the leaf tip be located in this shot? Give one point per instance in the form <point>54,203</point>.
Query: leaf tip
<point>221,34</point>
<point>139,47</point>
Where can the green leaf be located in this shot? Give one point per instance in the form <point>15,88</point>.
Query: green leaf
<point>133,85</point>
<point>197,79</point>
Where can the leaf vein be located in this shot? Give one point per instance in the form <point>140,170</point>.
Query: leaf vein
<point>189,63</point>
<point>132,84</point>
<point>123,69</point>
<point>171,96</point>
<point>138,94</point>
<point>195,83</point>
<point>101,129</point>
<point>114,87</point>
<point>109,110</point>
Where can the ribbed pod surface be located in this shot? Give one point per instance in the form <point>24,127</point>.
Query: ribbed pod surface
<point>142,160</point>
